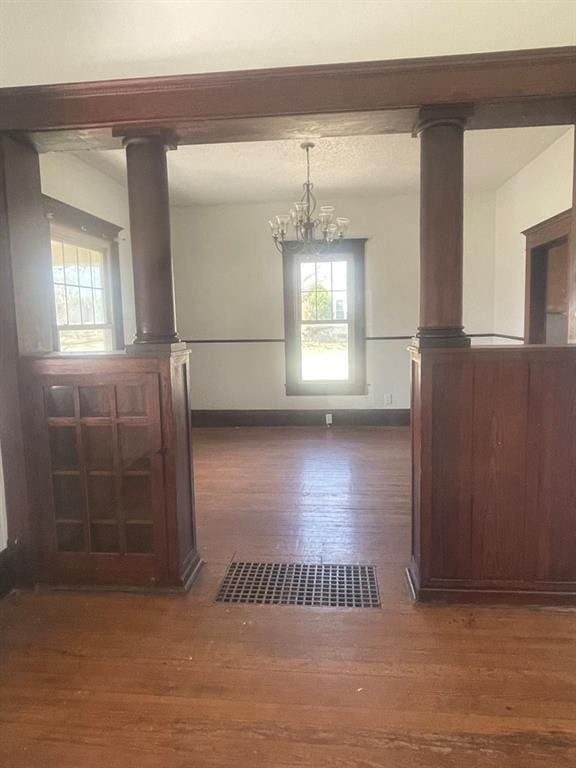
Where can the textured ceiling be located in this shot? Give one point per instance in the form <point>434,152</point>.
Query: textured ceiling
<point>50,41</point>
<point>365,165</point>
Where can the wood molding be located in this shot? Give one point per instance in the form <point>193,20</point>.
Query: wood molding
<point>75,218</point>
<point>527,87</point>
<point>369,417</point>
<point>539,238</point>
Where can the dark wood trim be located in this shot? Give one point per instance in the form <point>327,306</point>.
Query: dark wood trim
<point>7,572</point>
<point>80,221</point>
<point>534,83</point>
<point>494,596</point>
<point>539,239</point>
<point>75,218</point>
<point>353,250</point>
<point>368,417</point>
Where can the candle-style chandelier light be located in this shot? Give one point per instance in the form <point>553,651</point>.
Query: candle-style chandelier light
<point>310,232</point>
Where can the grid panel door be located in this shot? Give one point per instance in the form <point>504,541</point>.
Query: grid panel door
<point>105,466</point>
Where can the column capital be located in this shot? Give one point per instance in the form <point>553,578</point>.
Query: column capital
<point>446,115</point>
<point>164,137</point>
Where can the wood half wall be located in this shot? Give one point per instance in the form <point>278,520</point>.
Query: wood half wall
<point>494,480</point>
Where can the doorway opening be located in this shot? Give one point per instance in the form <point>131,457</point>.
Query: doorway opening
<point>548,291</point>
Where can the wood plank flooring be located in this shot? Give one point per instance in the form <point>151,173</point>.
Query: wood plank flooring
<point>109,681</point>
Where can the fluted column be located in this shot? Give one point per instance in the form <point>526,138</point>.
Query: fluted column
<point>150,235</point>
<point>441,230</point>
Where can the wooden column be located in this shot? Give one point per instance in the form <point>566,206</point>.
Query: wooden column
<point>441,230</point>
<point>150,234</point>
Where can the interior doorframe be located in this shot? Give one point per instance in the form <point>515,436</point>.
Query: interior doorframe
<point>539,239</point>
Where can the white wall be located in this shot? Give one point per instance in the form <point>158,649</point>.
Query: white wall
<point>541,189</point>
<point>68,179</point>
<point>228,279</point>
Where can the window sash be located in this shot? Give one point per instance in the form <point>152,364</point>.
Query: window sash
<point>351,251</point>
<point>79,241</point>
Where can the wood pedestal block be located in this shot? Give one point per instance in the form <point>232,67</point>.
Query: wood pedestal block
<point>110,470</point>
<point>494,480</point>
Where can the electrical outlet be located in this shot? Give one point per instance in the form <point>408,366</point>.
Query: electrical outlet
<point>388,398</point>
<point>328,419</point>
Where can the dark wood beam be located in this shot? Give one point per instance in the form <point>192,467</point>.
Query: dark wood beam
<point>534,87</point>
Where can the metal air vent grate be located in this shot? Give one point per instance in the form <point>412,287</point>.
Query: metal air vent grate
<point>329,586</point>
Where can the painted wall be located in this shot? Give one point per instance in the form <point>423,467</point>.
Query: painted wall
<point>228,279</point>
<point>68,179</point>
<point>541,189</point>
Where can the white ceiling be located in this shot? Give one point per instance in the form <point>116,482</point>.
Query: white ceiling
<point>341,167</point>
<point>50,41</point>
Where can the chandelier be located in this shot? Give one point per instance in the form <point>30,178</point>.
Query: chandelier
<point>311,232</point>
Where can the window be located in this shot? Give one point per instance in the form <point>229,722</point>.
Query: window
<point>86,280</point>
<point>324,318</point>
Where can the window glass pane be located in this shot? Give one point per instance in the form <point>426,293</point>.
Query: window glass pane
<point>73,302</point>
<point>68,499</point>
<point>309,305</point>
<point>324,275</point>
<point>102,497</point>
<point>60,300</point>
<point>105,538</point>
<point>59,401</point>
<point>57,261</point>
<point>87,306</point>
<point>323,304</point>
<point>100,314</point>
<point>63,451</point>
<point>325,352</point>
<point>94,401</point>
<point>97,269</point>
<point>70,264</point>
<point>339,305</point>
<point>339,276</point>
<point>84,268</point>
<point>307,276</point>
<point>97,447</point>
<point>86,340</point>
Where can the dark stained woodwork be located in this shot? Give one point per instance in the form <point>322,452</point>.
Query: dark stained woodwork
<point>494,455</point>
<point>512,114</point>
<point>441,227</point>
<point>21,259</point>
<point>149,204</point>
<point>113,431</point>
<point>84,677</point>
<point>540,238</point>
<point>310,90</point>
<point>557,280</point>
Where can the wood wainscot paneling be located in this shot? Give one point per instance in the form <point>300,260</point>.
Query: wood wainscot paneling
<point>494,482</point>
<point>110,470</point>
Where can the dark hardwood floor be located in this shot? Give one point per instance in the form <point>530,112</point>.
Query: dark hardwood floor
<point>111,680</point>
